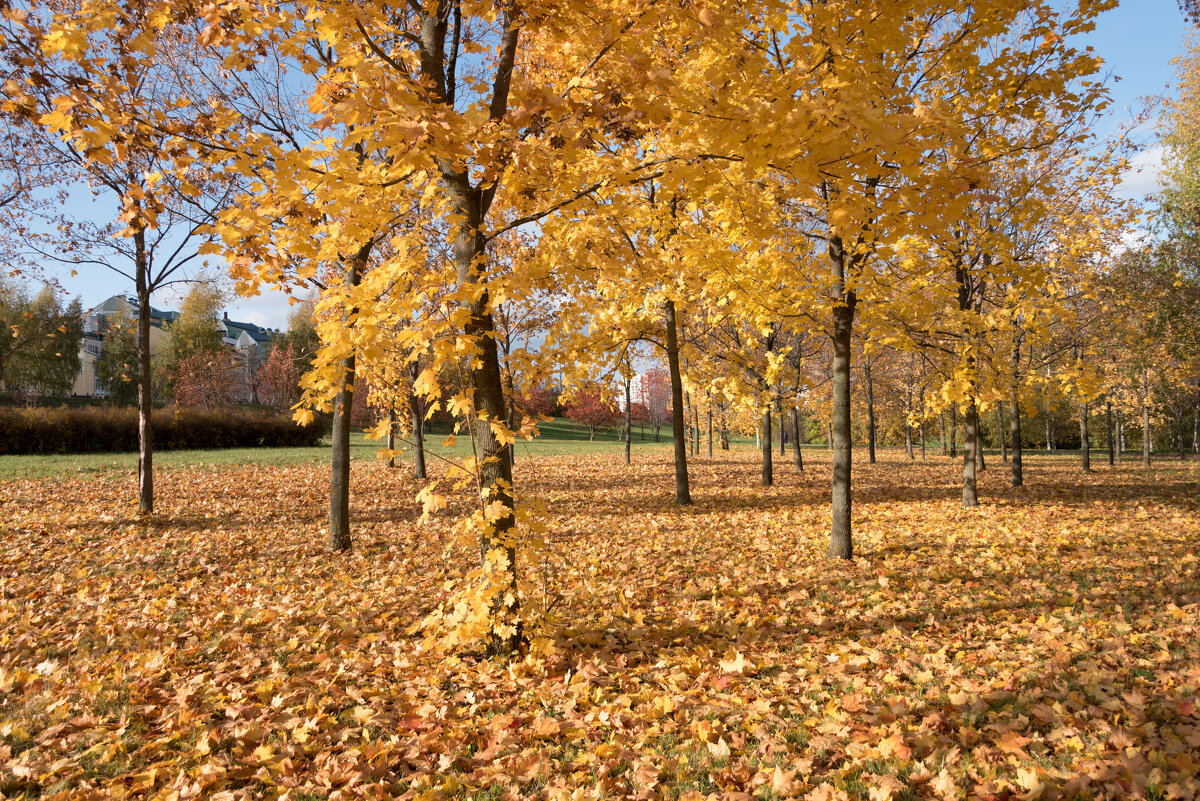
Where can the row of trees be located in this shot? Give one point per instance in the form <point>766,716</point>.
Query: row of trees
<point>759,194</point>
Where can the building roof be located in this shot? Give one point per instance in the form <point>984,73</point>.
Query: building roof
<point>162,317</point>
<point>260,335</point>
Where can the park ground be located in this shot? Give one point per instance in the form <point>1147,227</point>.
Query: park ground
<point>1044,645</point>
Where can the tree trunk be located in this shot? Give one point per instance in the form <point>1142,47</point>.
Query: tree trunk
<point>782,426</point>
<point>840,545</point>
<point>954,432</point>
<point>870,409</point>
<point>724,434</point>
<point>942,418</point>
<point>1182,447</point>
<point>696,428</point>
<point>829,438</point>
<point>628,419</point>
<point>797,454</point>
<point>418,438</point>
<point>683,495</point>
<point>921,401</point>
<point>970,495</point>
<point>145,378</point>
<point>1146,445</point>
<point>1049,430</point>
<point>510,417</point>
<point>1018,477</point>
<point>497,552</point>
<point>1000,432</point>
<point>391,437</point>
<point>339,479</point>
<point>908,442</point>
<point>710,434</point>
<point>768,474</point>
<point>1108,424</point>
<point>1085,444</point>
<point>1120,435</point>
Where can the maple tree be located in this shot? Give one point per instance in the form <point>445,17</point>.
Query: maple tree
<point>485,197</point>
<point>85,105</point>
<point>590,408</point>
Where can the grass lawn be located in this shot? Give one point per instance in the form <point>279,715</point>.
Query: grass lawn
<point>558,437</point>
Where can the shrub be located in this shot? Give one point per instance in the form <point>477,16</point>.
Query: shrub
<point>89,430</point>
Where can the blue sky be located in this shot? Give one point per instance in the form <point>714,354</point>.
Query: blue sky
<point>1137,41</point>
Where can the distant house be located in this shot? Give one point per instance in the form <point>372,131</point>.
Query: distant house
<point>86,382</point>
<point>250,341</point>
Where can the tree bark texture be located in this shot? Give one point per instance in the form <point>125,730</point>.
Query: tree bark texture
<point>683,495</point>
<point>840,545</point>
<point>145,378</point>
<point>343,405</point>
<point>768,473</point>
<point>870,409</point>
<point>970,494</point>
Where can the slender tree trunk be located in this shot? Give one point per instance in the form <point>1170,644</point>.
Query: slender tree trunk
<point>782,425</point>
<point>1049,430</point>
<point>1000,432</point>
<point>840,545</point>
<point>391,437</point>
<point>1182,447</point>
<point>696,428</point>
<point>829,439</point>
<point>145,378</point>
<point>870,409</point>
<point>511,411</point>
<point>689,437</point>
<point>1196,430</point>
<point>921,401</point>
<point>970,495</point>
<point>1018,477</point>
<point>945,449</point>
<point>339,482</point>
<point>1085,444</point>
<point>414,406</point>
<point>1014,423</point>
<point>1146,444</point>
<point>683,495</point>
<point>1108,422</point>
<point>710,455</point>
<point>954,432</point>
<point>908,440</point>
<point>768,473</point>
<point>797,454</point>
<point>628,419</point>
<point>1120,435</point>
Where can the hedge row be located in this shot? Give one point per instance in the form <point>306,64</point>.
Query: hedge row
<point>87,430</point>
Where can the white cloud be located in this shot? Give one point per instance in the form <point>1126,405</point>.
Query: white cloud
<point>1145,174</point>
